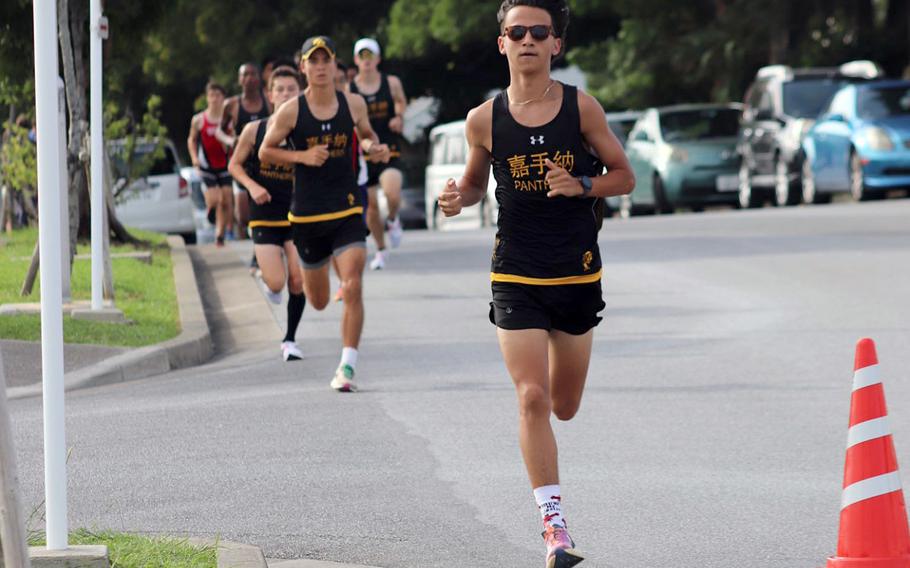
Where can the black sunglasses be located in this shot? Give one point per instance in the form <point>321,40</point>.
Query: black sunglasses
<point>539,32</point>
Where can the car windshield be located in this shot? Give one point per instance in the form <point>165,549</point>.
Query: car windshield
<point>699,124</point>
<point>621,128</point>
<point>883,102</point>
<point>164,165</point>
<point>806,98</point>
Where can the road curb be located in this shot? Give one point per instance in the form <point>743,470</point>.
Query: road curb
<point>192,347</point>
<point>237,555</point>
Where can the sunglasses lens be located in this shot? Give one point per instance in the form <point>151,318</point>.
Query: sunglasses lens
<point>540,32</point>
<point>517,33</point>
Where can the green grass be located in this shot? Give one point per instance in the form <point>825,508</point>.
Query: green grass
<point>144,292</point>
<point>134,551</point>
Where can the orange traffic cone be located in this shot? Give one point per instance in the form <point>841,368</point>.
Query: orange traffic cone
<point>873,517</point>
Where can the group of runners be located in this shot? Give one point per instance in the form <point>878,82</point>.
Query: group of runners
<point>548,145</point>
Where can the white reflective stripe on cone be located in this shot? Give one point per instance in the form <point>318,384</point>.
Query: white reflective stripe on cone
<point>869,488</point>
<point>868,430</point>
<point>866,377</point>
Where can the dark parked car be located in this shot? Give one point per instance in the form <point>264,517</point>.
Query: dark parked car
<point>781,106</point>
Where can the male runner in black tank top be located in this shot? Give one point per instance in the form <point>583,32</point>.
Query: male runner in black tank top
<point>546,265</point>
<point>386,102</point>
<point>239,110</point>
<point>271,187</point>
<point>327,208</point>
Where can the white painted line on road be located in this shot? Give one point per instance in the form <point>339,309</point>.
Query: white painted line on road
<point>869,488</point>
<point>868,430</point>
<point>866,377</point>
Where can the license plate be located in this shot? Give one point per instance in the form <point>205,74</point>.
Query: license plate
<point>727,183</point>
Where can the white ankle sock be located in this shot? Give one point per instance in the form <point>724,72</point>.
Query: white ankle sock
<point>349,357</point>
<point>549,502</point>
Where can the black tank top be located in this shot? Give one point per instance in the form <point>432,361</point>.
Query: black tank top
<point>277,179</point>
<point>542,240</point>
<point>381,109</point>
<point>244,117</point>
<point>330,191</point>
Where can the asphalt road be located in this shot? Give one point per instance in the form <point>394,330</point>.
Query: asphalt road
<point>711,435</point>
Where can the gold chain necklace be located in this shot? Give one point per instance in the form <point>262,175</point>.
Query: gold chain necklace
<point>541,97</point>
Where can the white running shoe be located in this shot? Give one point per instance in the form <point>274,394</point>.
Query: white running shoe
<point>274,297</point>
<point>378,262</point>
<point>394,230</point>
<point>343,381</point>
<point>291,351</point>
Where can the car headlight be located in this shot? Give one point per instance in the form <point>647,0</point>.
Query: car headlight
<point>679,155</point>
<point>878,138</point>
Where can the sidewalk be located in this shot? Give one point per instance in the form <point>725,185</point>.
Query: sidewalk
<point>94,365</point>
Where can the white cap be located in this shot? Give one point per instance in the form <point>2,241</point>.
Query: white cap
<point>367,43</point>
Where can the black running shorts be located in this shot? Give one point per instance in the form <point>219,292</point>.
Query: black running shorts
<point>571,308</point>
<point>216,178</point>
<point>317,242</point>
<point>375,169</point>
<point>271,235</point>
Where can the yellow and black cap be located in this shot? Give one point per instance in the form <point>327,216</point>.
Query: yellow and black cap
<point>311,45</point>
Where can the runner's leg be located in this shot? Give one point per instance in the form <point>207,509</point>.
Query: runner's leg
<point>242,206</point>
<point>570,356</point>
<point>525,353</point>
<point>374,222</point>
<point>271,263</point>
<point>227,208</point>
<point>390,181</point>
<point>212,197</point>
<point>316,286</point>
<point>350,266</point>
<point>296,302</point>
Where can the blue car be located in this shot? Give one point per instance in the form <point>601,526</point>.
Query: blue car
<point>860,144</point>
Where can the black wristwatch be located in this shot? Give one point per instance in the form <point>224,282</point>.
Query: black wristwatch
<point>586,185</point>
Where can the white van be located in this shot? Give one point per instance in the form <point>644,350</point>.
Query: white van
<point>159,201</point>
<point>448,154</point>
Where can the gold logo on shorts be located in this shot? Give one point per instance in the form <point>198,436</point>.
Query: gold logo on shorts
<point>587,259</point>
<point>351,199</point>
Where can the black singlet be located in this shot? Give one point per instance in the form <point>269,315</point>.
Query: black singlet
<point>244,117</point>
<point>277,179</point>
<point>542,240</point>
<point>381,109</point>
<point>330,191</point>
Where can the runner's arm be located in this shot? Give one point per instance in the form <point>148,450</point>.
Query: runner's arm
<point>191,141</point>
<point>479,134</point>
<point>401,104</point>
<point>375,151</point>
<point>279,129</point>
<point>619,179</point>
<point>241,152</point>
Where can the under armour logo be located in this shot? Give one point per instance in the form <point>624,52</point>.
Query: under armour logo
<point>535,140</point>
<point>327,126</point>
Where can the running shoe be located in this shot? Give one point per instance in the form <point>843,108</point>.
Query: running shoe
<point>343,381</point>
<point>394,230</point>
<point>274,297</point>
<point>560,548</point>
<point>290,351</point>
<point>339,295</point>
<point>219,241</point>
<point>378,262</point>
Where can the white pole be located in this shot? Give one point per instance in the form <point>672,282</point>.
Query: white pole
<point>12,526</point>
<point>64,194</point>
<point>46,60</point>
<point>97,153</point>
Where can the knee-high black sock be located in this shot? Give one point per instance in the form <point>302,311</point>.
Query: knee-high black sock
<point>296,303</point>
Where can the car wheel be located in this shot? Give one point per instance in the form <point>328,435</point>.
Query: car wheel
<point>857,179</point>
<point>625,206</point>
<point>747,198</point>
<point>486,212</point>
<point>189,238</point>
<point>784,194</point>
<point>662,205</point>
<point>439,218</point>
<point>810,190</point>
